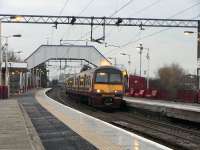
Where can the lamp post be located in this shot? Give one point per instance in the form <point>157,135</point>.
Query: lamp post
<point>115,60</point>
<point>198,52</point>
<point>6,60</point>
<point>148,68</point>
<point>129,60</point>
<point>140,52</point>
<point>17,18</point>
<point>6,56</point>
<point>141,48</point>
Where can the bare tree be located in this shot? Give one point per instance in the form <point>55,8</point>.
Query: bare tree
<point>170,77</point>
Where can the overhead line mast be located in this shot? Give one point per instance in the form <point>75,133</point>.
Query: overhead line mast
<point>109,21</point>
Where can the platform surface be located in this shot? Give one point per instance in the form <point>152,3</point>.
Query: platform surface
<point>14,130</point>
<point>186,111</point>
<point>53,133</point>
<point>171,104</point>
<point>101,134</point>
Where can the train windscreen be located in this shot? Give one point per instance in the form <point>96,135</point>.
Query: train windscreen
<point>108,76</point>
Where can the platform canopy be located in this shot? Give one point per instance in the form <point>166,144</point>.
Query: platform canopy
<point>66,52</point>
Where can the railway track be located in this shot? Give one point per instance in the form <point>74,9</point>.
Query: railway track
<point>164,132</point>
<point>184,138</point>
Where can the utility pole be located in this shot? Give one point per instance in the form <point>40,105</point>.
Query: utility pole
<point>129,61</point>
<point>148,68</point>
<point>140,52</point>
<point>6,63</point>
<point>1,57</point>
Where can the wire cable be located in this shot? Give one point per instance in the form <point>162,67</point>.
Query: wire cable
<point>121,8</point>
<point>114,13</point>
<point>86,7</point>
<point>146,7</point>
<point>81,12</point>
<point>63,8</point>
<point>139,11</point>
<point>157,32</point>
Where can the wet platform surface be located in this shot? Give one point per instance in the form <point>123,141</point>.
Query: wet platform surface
<point>102,134</point>
<point>14,130</point>
<point>53,133</point>
<point>185,111</point>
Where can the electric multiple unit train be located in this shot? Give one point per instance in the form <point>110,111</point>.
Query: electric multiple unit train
<point>102,86</point>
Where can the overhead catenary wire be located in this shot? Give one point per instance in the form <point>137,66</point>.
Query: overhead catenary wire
<point>86,7</point>
<point>139,11</point>
<point>60,13</point>
<point>111,15</point>
<point>121,8</point>
<point>63,8</point>
<point>146,7</point>
<point>80,13</point>
<point>156,32</point>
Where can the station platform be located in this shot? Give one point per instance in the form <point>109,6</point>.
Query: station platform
<point>101,134</point>
<point>16,129</point>
<point>34,121</point>
<point>53,134</point>
<point>179,110</point>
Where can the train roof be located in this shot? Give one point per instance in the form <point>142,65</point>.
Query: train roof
<point>105,67</point>
<point>94,69</point>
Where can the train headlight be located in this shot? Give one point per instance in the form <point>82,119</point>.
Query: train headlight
<point>116,91</point>
<point>98,91</point>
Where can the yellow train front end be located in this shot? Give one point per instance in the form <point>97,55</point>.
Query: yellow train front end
<point>108,88</point>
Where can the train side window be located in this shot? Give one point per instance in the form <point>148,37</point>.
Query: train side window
<point>89,80</point>
<point>86,81</point>
<point>79,81</point>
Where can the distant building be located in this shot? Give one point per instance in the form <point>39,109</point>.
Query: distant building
<point>16,69</point>
<point>189,82</point>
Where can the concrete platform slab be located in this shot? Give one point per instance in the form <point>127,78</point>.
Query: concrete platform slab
<point>53,133</point>
<point>16,130</point>
<point>103,135</point>
<point>185,111</point>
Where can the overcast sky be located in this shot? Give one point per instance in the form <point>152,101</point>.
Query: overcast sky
<point>166,47</point>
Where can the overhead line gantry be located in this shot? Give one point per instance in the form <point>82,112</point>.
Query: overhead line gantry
<point>106,21</point>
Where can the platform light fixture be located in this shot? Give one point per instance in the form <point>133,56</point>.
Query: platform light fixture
<point>189,32</point>
<point>129,61</point>
<point>17,18</point>
<point>17,35</point>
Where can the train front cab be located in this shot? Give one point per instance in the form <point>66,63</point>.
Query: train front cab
<point>108,89</point>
